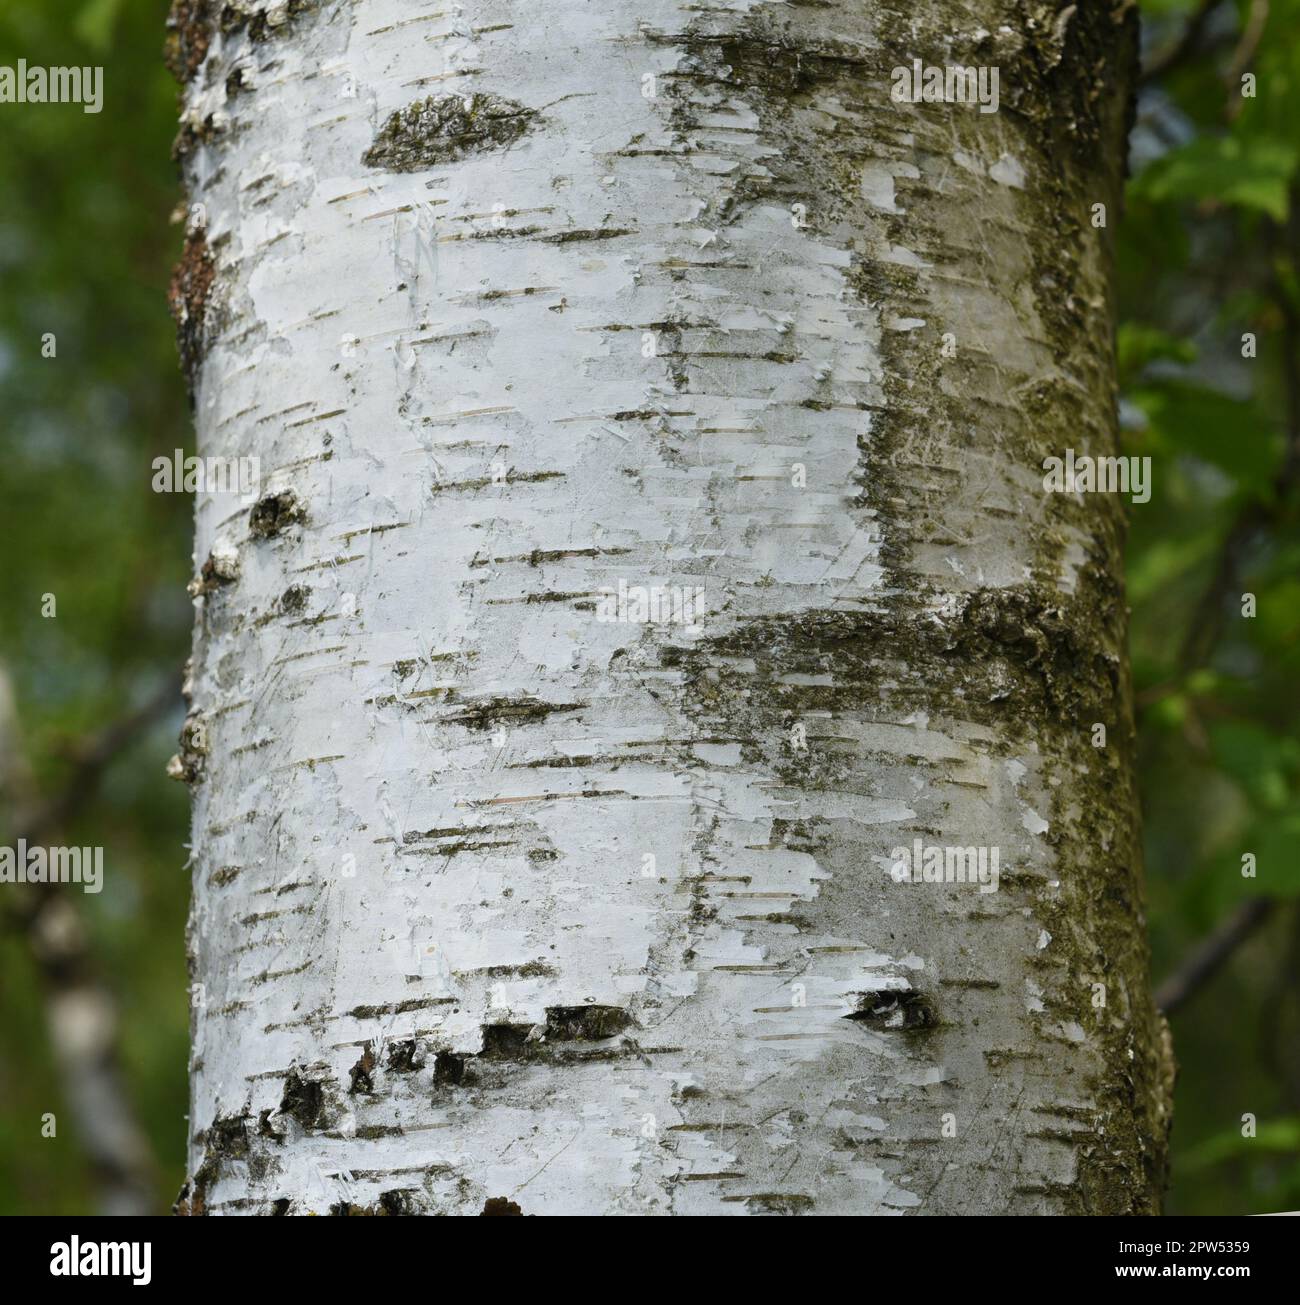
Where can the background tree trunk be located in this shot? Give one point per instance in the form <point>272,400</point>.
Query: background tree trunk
<point>500,906</point>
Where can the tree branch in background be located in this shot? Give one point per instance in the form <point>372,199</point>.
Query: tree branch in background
<point>1183,49</point>
<point>81,1010</point>
<point>1244,54</point>
<point>1209,956</point>
<point>91,757</point>
<point>1206,625</point>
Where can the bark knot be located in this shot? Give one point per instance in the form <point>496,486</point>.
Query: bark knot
<point>273,514</point>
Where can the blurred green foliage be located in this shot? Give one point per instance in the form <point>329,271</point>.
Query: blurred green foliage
<point>85,253</point>
<point>1208,252</point>
<point>1209,246</point>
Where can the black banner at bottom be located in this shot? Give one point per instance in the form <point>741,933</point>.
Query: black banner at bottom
<point>88,1254</point>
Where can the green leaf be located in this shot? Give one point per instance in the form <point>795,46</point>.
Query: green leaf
<point>1261,762</point>
<point>1252,172</point>
<point>1164,561</point>
<point>1271,838</point>
<point>1138,345</point>
<point>1228,433</point>
<point>1277,867</point>
<point>1273,1135</point>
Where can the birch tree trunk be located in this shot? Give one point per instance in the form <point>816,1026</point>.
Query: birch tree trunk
<point>515,888</point>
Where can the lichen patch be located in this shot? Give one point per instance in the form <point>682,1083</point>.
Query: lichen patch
<point>447,128</point>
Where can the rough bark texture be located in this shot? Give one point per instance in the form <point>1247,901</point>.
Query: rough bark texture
<point>438,969</point>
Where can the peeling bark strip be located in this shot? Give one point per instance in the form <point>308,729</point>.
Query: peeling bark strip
<point>500,908</point>
<point>191,285</point>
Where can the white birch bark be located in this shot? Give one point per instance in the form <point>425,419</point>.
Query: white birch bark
<point>498,904</point>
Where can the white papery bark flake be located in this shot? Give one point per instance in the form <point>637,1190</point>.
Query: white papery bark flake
<point>503,906</point>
